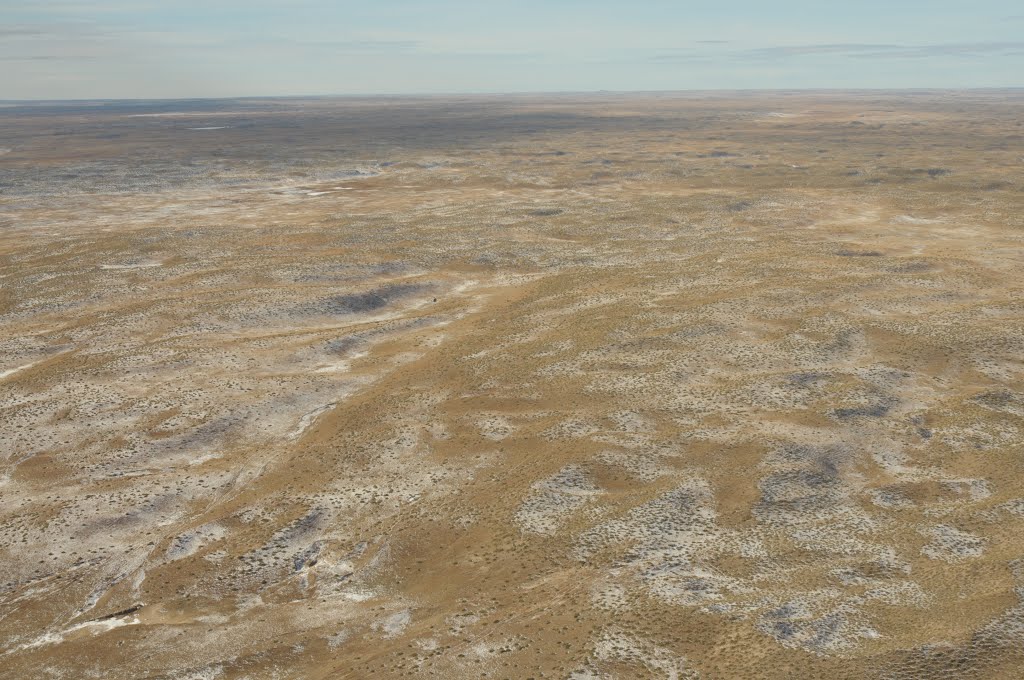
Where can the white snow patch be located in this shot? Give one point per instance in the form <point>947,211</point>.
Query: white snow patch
<point>134,265</point>
<point>308,419</point>
<point>95,627</point>
<point>393,625</point>
<point>17,369</point>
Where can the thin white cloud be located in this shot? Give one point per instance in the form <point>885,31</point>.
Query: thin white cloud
<point>849,50</point>
<point>884,51</point>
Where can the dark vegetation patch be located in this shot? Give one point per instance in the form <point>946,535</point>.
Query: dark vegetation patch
<point>345,345</point>
<point>820,462</point>
<point>369,301</point>
<point>119,614</point>
<point>210,433</point>
<point>911,267</point>
<point>785,496</point>
<point>997,186</point>
<point>878,410</point>
<point>1000,400</point>
<point>845,252</point>
<point>304,526</point>
<point>308,557</point>
<point>809,379</point>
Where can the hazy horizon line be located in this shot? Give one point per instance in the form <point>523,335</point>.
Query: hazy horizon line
<point>434,95</point>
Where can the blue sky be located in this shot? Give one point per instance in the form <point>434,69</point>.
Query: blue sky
<point>64,49</point>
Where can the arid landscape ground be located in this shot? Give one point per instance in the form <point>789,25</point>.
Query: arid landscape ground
<point>710,385</point>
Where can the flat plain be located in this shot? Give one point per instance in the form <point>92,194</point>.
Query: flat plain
<point>703,385</point>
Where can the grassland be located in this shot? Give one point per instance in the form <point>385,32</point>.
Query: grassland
<point>711,385</point>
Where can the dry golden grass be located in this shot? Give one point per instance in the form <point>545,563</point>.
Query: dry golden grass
<point>718,386</point>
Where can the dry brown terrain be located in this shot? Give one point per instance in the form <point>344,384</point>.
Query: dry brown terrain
<point>670,386</point>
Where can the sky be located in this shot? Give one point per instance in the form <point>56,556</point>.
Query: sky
<point>114,49</point>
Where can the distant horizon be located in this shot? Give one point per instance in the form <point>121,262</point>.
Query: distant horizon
<point>439,95</point>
